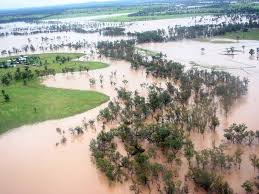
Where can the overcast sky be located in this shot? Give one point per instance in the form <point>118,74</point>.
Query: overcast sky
<point>6,4</point>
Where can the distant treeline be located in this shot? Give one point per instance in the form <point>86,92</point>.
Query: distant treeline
<point>27,15</point>
<point>113,31</point>
<point>225,9</point>
<point>21,18</point>
<point>51,29</point>
<point>36,14</point>
<point>146,7</point>
<point>191,32</point>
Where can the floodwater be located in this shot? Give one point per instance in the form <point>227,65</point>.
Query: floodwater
<point>88,23</point>
<point>7,43</point>
<point>244,110</point>
<point>32,163</point>
<point>140,26</point>
<point>188,51</point>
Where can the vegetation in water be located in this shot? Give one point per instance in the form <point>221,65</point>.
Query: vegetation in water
<point>151,139</point>
<point>220,83</point>
<point>197,31</point>
<point>157,126</point>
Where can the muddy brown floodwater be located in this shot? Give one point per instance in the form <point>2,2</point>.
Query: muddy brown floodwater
<point>32,164</point>
<point>245,110</point>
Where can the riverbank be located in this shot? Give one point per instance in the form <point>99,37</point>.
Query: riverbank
<point>35,103</point>
<point>127,18</point>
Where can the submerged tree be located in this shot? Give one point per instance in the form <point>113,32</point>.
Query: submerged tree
<point>252,52</point>
<point>239,134</point>
<point>248,186</point>
<point>254,160</point>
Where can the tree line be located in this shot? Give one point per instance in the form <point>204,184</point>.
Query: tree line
<point>192,32</point>
<point>215,9</point>
<point>217,83</point>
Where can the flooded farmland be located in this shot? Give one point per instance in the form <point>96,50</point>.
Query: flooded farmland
<point>32,163</point>
<point>244,110</point>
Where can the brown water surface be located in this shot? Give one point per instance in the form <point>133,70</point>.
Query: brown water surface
<point>245,110</point>
<point>31,163</point>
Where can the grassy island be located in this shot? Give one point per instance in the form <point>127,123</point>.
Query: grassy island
<point>31,102</point>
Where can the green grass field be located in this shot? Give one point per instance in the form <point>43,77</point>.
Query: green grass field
<point>50,103</point>
<point>252,34</point>
<point>126,18</point>
<point>87,13</point>
<point>50,60</point>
